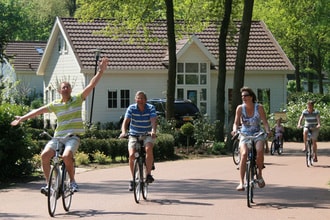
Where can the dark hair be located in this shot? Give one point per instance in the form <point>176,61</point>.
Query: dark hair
<point>310,102</point>
<point>251,93</point>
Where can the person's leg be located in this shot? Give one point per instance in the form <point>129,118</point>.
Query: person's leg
<point>46,155</point>
<point>149,156</point>
<point>260,157</point>
<point>242,166</point>
<point>69,163</point>
<point>305,131</point>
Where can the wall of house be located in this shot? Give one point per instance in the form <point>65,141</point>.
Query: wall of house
<point>274,81</point>
<point>31,81</point>
<point>154,84</point>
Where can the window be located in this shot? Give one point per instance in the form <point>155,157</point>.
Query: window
<point>263,96</point>
<point>113,99</point>
<point>62,46</point>
<point>124,98</point>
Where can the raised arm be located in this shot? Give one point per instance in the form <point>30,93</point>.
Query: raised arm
<point>102,67</point>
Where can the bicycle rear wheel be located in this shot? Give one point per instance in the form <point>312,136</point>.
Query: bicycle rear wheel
<point>144,184</point>
<point>66,190</point>
<point>236,152</point>
<point>136,181</point>
<point>249,182</point>
<point>53,190</point>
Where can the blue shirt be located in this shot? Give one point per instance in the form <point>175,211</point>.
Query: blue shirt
<point>140,121</point>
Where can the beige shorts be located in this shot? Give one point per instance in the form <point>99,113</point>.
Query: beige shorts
<point>132,141</point>
<point>71,143</point>
<point>315,132</point>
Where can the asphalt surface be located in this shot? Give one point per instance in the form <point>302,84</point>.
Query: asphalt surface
<point>189,189</point>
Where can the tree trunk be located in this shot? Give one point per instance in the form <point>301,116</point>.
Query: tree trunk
<point>221,88</point>
<point>172,60</point>
<point>239,73</point>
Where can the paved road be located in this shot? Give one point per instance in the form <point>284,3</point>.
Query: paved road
<point>190,189</point>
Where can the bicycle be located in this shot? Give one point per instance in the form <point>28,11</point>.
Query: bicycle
<point>309,150</point>
<point>235,150</point>
<point>140,185</point>
<point>251,166</point>
<point>59,182</point>
<point>276,146</point>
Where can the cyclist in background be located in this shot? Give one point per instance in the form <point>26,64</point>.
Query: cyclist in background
<point>279,130</point>
<point>250,114</point>
<point>69,120</point>
<point>312,120</point>
<point>141,118</point>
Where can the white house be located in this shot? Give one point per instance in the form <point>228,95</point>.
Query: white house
<point>70,55</point>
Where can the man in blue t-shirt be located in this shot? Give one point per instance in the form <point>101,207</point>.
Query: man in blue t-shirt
<point>312,120</point>
<point>141,118</point>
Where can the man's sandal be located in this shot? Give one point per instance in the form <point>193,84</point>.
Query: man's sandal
<point>261,182</point>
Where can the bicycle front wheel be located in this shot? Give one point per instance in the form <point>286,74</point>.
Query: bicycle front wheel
<point>53,190</point>
<point>236,152</point>
<point>249,182</point>
<point>144,185</point>
<point>66,190</point>
<point>136,181</point>
<point>272,147</point>
<point>309,154</point>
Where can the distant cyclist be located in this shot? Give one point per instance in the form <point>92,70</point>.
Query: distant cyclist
<point>279,130</point>
<point>312,120</point>
<point>141,117</point>
<point>250,114</point>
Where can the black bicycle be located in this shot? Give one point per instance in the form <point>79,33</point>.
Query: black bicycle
<point>309,150</point>
<point>276,146</point>
<point>235,150</point>
<point>59,181</point>
<point>251,166</point>
<point>140,185</point>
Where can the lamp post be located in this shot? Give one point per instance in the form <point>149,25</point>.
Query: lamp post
<point>97,56</point>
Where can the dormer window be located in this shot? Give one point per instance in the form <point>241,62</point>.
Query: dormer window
<point>62,46</point>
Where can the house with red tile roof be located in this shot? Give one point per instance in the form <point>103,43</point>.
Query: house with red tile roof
<point>24,57</point>
<point>142,65</point>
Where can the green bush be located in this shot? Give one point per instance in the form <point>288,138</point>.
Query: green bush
<point>16,145</point>
<point>101,158</point>
<point>164,147</point>
<point>81,158</point>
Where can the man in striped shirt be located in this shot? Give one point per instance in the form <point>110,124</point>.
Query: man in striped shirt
<point>141,118</point>
<point>69,121</point>
<point>312,120</point>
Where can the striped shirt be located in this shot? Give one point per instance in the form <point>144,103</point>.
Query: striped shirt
<point>310,118</point>
<point>68,115</point>
<point>140,121</point>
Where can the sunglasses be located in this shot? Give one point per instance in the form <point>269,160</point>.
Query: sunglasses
<point>245,95</point>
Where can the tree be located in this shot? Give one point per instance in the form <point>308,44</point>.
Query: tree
<point>239,72</point>
<point>302,29</point>
<point>10,23</point>
<point>220,114</point>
